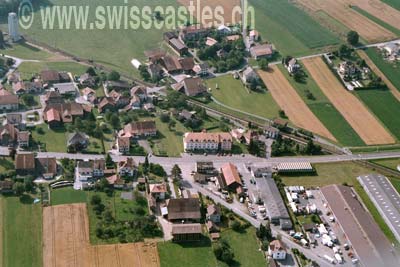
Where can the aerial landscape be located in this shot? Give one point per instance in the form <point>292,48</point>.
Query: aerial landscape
<point>202,133</point>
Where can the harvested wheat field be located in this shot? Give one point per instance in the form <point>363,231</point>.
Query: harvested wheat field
<point>227,5</point>
<point>340,10</point>
<point>288,99</point>
<point>378,72</point>
<point>379,10</point>
<point>356,114</point>
<point>66,243</point>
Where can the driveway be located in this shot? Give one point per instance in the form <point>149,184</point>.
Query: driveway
<point>145,144</point>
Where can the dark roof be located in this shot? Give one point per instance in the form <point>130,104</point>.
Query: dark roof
<point>77,137</point>
<point>170,35</point>
<point>187,63</point>
<point>46,165</point>
<point>184,208</point>
<point>177,44</point>
<point>8,99</point>
<point>190,228</point>
<point>50,76</point>
<point>171,63</point>
<point>194,86</point>
<point>25,161</point>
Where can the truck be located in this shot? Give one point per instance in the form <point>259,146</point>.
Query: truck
<point>338,258</point>
<point>329,259</point>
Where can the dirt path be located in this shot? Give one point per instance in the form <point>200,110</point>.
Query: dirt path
<point>340,10</point>
<point>378,72</point>
<point>352,109</point>
<point>288,99</point>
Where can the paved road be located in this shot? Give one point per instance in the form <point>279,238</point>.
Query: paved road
<point>385,198</point>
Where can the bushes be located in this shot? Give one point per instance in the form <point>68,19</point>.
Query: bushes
<point>223,251</point>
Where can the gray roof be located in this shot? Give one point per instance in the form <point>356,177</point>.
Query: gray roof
<point>273,200</point>
<point>65,88</point>
<point>77,137</point>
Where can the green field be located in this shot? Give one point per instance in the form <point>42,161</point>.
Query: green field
<point>29,69</point>
<point>393,3</point>
<point>377,20</point>
<point>291,29</point>
<point>22,232</point>
<point>55,140</point>
<point>325,111</point>
<point>114,48</point>
<point>388,163</point>
<point>198,254</point>
<point>391,70</point>
<point>6,164</point>
<point>25,51</point>
<point>170,141</point>
<point>396,184</point>
<point>232,93</point>
<point>67,195</point>
<point>329,173</point>
<point>385,106</point>
<point>245,247</point>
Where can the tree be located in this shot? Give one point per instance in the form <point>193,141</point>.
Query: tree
<point>9,62</point>
<point>144,72</point>
<point>28,99</point>
<point>282,114</point>
<point>171,124</point>
<point>109,161</point>
<point>78,124</point>
<point>146,165</point>
<point>164,117</point>
<point>344,51</point>
<point>235,225</point>
<point>91,71</point>
<point>353,38</point>
<point>1,39</point>
<point>115,122</point>
<point>254,148</point>
<point>176,171</point>
<point>113,76</point>
<point>223,251</point>
<point>95,200</point>
<point>264,64</point>
<point>19,188</point>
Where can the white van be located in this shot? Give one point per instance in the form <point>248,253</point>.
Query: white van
<point>339,258</point>
<point>329,259</point>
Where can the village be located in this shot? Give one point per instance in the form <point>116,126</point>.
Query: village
<point>155,165</point>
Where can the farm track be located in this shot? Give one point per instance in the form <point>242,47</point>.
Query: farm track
<point>288,99</point>
<point>357,115</point>
<point>378,72</point>
<point>340,10</point>
<point>66,243</point>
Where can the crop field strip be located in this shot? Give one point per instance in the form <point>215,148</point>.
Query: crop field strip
<point>340,10</point>
<point>374,68</point>
<point>379,10</point>
<point>325,111</point>
<point>393,3</point>
<point>66,242</point>
<point>288,99</point>
<point>356,114</point>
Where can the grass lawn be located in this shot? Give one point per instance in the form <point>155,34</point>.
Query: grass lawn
<point>295,36</point>
<point>6,164</point>
<point>197,254</point>
<point>396,184</point>
<point>55,140</point>
<point>391,70</point>
<point>67,195</point>
<point>329,173</point>
<point>232,93</point>
<point>245,247</point>
<point>114,48</point>
<point>325,111</point>
<point>25,51</point>
<point>385,106</point>
<point>28,69</point>
<point>388,163</point>
<point>22,232</point>
<point>169,142</point>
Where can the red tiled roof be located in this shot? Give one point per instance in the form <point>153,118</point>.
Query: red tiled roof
<point>230,174</point>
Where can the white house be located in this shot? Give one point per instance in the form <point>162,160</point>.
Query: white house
<point>207,141</point>
<point>127,167</point>
<point>277,250</point>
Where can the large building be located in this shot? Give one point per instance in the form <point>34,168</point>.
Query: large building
<point>207,141</point>
<point>13,27</point>
<point>362,232</point>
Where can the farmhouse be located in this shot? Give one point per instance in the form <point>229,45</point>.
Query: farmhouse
<point>249,75</point>
<point>183,209</point>
<point>89,94</point>
<point>8,102</point>
<point>87,80</point>
<point>54,114</point>
<point>65,88</point>
<point>87,171</point>
<point>262,50</point>
<point>77,141</point>
<point>8,135</point>
<point>46,167</point>
<point>155,71</point>
<point>106,104</point>
<point>23,138</point>
<point>158,191</point>
<point>193,32</point>
<point>192,86</point>
<point>25,163</point>
<point>50,76</point>
<point>207,141</point>
<point>186,232</point>
<point>171,64</point>
<point>117,85</point>
<point>127,167</point>
<point>139,129</point>
<point>292,66</point>
<point>213,213</point>
<point>178,46</point>
<point>123,144</point>
<point>19,88</point>
<point>14,119</point>
<point>53,97</point>
<point>187,64</point>
<point>200,69</point>
<point>156,54</point>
